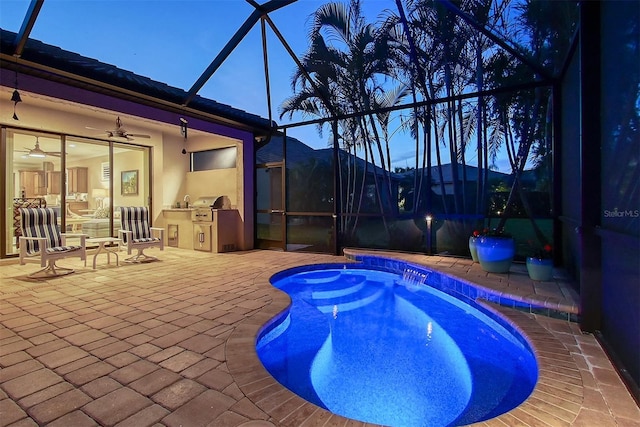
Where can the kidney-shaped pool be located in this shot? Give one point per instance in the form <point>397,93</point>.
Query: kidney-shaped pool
<point>386,349</point>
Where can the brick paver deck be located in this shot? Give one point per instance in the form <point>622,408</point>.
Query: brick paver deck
<point>171,343</point>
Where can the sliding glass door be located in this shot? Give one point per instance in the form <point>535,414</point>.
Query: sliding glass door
<point>85,180</point>
<point>87,187</point>
<point>131,175</point>
<point>33,177</point>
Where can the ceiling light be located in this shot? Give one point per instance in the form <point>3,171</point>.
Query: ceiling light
<point>36,151</point>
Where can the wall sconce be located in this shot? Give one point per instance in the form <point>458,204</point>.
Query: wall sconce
<point>15,98</point>
<point>429,220</point>
<point>183,131</point>
<point>183,127</point>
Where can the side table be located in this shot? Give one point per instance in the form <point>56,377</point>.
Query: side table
<point>102,241</point>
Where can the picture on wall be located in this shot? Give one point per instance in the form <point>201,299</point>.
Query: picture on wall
<point>129,183</point>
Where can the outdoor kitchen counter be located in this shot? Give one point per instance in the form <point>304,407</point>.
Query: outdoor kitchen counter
<point>180,218</point>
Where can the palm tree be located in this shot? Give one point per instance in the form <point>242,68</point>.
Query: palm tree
<point>346,58</point>
<point>426,50</point>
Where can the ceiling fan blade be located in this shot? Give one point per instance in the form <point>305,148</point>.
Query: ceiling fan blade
<point>137,135</point>
<point>119,137</point>
<point>53,153</point>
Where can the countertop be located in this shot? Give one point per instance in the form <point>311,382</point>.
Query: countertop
<point>177,209</point>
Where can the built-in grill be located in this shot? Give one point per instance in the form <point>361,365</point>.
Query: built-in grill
<point>215,224</point>
<point>203,207</point>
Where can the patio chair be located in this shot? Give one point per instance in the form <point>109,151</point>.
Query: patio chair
<point>135,233</point>
<point>42,240</point>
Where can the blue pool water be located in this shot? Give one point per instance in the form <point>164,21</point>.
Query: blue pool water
<point>376,347</point>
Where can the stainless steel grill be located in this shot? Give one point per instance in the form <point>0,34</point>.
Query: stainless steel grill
<point>203,207</point>
<point>212,219</point>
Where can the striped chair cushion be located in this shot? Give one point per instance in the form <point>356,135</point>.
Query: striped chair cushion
<point>136,220</point>
<point>59,249</point>
<point>146,239</point>
<point>42,222</point>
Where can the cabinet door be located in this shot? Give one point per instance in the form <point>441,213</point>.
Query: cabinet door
<point>71,179</point>
<point>82,179</point>
<point>53,182</point>
<point>32,183</point>
<point>26,184</point>
<point>77,178</point>
<point>39,188</point>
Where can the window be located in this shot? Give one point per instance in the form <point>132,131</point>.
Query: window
<point>219,158</point>
<point>105,171</point>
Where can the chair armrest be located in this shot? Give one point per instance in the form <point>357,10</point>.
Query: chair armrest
<point>42,246</point>
<point>40,240</point>
<point>159,230</point>
<point>124,233</point>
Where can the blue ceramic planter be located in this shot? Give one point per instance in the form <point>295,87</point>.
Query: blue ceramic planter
<point>472,248</point>
<point>540,269</point>
<point>495,254</point>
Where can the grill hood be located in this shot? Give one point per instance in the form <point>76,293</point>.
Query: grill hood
<point>212,202</point>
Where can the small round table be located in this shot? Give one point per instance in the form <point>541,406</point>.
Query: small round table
<point>102,241</point>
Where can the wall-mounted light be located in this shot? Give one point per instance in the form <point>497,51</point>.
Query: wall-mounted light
<point>183,127</point>
<point>183,132</point>
<point>15,98</point>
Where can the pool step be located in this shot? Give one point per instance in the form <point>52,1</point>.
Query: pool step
<point>323,276</point>
<point>341,286</point>
<point>347,297</point>
<point>351,305</point>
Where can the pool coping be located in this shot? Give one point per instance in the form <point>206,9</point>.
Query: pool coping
<point>556,398</point>
<point>496,288</point>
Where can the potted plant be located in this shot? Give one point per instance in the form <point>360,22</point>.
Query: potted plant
<point>495,250</point>
<point>540,265</point>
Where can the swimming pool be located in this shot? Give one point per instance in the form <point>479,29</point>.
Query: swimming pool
<point>378,347</point>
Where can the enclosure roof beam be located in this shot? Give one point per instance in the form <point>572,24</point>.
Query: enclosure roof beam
<point>27,25</point>
<point>233,42</point>
<point>301,67</point>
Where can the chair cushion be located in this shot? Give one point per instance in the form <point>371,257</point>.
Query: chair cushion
<point>146,239</point>
<point>136,220</point>
<point>57,249</point>
<point>42,223</point>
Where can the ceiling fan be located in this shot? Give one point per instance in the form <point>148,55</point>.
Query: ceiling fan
<point>121,132</point>
<point>37,152</point>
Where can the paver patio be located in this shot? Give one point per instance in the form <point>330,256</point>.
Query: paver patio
<point>171,343</point>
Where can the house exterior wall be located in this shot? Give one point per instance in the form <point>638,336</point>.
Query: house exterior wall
<point>53,107</point>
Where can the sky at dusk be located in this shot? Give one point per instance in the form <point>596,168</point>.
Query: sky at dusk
<point>174,41</point>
